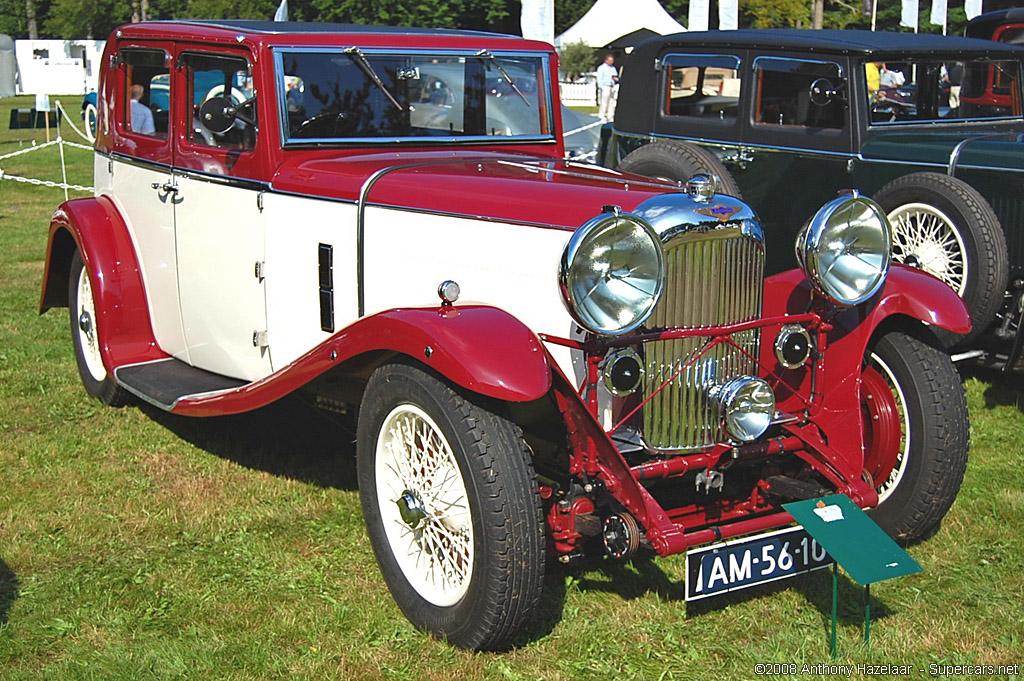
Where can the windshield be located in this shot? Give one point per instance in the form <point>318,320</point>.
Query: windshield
<point>351,95</point>
<point>935,90</point>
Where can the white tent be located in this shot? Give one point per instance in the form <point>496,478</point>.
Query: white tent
<point>611,19</point>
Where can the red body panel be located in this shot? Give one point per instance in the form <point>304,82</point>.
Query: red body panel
<point>125,333</point>
<point>907,292</point>
<point>460,343</point>
<point>499,186</point>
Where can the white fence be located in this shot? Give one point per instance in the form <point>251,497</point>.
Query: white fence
<point>578,94</point>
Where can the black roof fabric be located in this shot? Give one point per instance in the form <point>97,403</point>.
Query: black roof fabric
<point>984,25</point>
<point>849,42</point>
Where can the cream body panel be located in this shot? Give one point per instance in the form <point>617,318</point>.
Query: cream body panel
<point>296,227</point>
<point>220,238</point>
<point>512,267</point>
<point>149,215</point>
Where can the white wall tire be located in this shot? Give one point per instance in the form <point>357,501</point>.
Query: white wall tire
<point>86,340</point>
<point>463,553</point>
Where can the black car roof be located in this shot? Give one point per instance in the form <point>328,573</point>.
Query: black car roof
<point>984,25</point>
<point>831,41</point>
<point>274,27</point>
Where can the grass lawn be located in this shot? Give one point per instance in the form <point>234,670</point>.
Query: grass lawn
<point>139,545</point>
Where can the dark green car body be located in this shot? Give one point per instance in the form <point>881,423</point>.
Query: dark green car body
<point>748,97</point>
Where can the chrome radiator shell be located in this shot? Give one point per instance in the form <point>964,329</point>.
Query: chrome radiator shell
<point>714,275</point>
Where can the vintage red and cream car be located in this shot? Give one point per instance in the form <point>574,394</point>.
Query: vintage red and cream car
<point>297,207</point>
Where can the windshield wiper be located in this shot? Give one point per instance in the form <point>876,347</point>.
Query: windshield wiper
<point>485,54</point>
<point>360,58</point>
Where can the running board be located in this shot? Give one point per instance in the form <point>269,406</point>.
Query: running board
<point>164,382</point>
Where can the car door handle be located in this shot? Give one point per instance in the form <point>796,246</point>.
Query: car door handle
<point>165,188</point>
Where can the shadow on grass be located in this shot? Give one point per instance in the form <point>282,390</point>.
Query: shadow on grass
<point>1003,389</point>
<point>643,575</point>
<point>8,590</point>
<point>289,438</point>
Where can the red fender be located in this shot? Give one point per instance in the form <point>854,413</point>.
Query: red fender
<point>907,292</point>
<point>96,228</point>
<point>481,348</point>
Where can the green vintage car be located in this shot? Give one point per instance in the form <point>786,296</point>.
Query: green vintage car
<point>930,126</point>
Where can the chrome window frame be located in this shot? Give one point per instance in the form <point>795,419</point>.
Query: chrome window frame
<point>289,142</point>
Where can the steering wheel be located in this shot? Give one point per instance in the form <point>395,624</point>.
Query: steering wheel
<point>328,120</point>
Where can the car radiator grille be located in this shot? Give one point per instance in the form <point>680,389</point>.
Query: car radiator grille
<point>711,279</point>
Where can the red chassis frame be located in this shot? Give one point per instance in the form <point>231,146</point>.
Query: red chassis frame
<point>828,430</point>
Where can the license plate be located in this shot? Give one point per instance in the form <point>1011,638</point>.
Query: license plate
<point>741,563</point>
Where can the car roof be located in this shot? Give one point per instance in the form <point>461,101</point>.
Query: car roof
<point>279,27</point>
<point>984,25</point>
<point>828,41</point>
<point>275,33</point>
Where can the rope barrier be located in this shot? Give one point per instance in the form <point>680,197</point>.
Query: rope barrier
<point>64,116</point>
<point>59,142</point>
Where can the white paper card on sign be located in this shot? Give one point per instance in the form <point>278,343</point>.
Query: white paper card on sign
<point>42,102</point>
<point>829,514</point>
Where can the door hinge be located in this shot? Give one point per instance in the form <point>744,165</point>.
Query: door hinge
<point>260,270</point>
<point>259,201</point>
<point>259,339</point>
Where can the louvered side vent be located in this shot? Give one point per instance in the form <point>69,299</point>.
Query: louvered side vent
<point>711,279</point>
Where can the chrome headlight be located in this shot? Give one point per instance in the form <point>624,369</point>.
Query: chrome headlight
<point>746,406</point>
<point>845,249</point>
<point>612,273</point>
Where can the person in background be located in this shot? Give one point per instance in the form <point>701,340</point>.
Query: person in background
<point>607,79</point>
<point>142,117</point>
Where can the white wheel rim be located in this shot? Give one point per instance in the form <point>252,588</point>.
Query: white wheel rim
<point>88,339</point>
<point>413,457</point>
<point>90,119</point>
<point>903,457</point>
<point>927,234</point>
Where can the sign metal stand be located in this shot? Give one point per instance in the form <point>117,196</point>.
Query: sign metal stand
<point>857,543</point>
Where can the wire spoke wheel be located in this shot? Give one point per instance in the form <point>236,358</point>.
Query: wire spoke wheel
<point>452,507</point>
<point>424,506</point>
<point>924,236</point>
<point>944,226</point>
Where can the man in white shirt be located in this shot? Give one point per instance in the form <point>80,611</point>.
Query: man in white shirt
<point>607,79</point>
<point>142,116</point>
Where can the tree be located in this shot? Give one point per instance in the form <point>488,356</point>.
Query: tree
<point>576,59</point>
<point>775,13</point>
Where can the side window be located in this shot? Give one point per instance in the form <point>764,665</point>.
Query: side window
<point>147,94</point>
<point>799,93</point>
<point>222,101</point>
<point>702,86</point>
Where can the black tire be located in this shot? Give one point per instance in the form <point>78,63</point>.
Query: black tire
<point>970,237</point>
<point>85,339</point>
<point>918,378</point>
<point>678,161</point>
<point>488,606</point>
